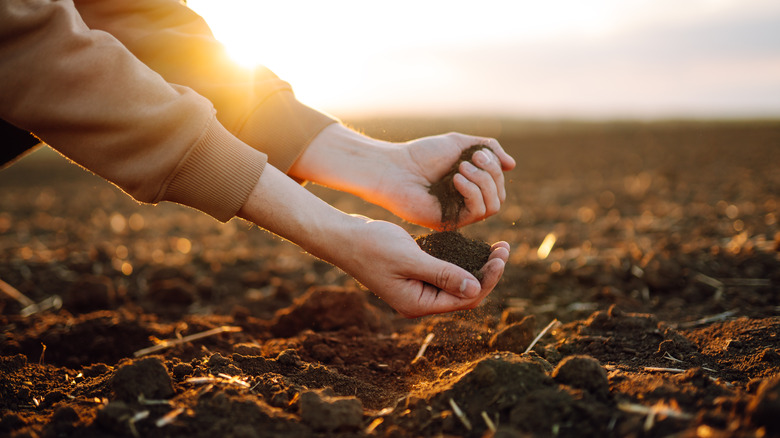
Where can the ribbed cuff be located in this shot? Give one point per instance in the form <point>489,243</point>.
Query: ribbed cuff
<point>282,127</point>
<point>217,175</point>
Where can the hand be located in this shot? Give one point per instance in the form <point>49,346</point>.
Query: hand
<point>387,261</point>
<point>380,255</point>
<point>397,176</point>
<point>420,163</point>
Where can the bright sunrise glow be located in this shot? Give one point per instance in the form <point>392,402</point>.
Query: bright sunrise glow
<point>497,55</point>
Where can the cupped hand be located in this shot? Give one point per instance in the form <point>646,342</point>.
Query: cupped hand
<point>404,187</point>
<point>387,261</point>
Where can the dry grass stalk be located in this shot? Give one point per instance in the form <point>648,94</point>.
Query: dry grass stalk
<point>374,424</point>
<point>459,413</point>
<point>659,409</point>
<point>168,343</point>
<point>672,358</point>
<point>424,346</point>
<point>220,378</point>
<point>664,370</point>
<point>169,417</point>
<point>544,331</point>
<point>706,320</point>
<point>757,282</point>
<point>716,284</point>
<point>53,302</point>
<point>14,293</point>
<point>489,422</point>
<point>134,419</point>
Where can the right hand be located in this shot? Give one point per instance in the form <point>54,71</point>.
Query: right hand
<point>387,261</point>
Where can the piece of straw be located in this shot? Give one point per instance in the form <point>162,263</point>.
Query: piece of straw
<point>708,319</point>
<point>460,414</point>
<point>168,343</point>
<point>542,333</point>
<point>424,346</point>
<point>169,417</point>
<point>489,422</point>
<point>14,293</point>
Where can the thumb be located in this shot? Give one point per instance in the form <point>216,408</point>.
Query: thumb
<point>448,277</point>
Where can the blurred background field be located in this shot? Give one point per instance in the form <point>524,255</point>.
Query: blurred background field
<point>621,190</point>
<point>656,244</point>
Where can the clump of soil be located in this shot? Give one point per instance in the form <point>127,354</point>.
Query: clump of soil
<point>450,199</point>
<point>449,245</point>
<point>454,247</point>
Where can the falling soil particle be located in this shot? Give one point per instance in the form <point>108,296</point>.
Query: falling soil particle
<point>454,247</point>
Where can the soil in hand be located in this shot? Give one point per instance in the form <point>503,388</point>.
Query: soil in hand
<point>454,247</point>
<point>450,200</point>
<point>449,245</point>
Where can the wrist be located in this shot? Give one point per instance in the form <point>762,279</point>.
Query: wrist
<point>283,207</point>
<point>345,160</point>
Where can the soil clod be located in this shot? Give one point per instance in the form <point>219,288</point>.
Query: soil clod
<point>454,247</point>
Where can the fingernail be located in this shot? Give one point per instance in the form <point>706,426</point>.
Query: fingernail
<point>470,168</point>
<point>469,288</point>
<point>481,158</point>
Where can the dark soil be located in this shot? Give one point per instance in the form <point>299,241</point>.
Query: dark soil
<point>450,200</point>
<point>450,245</point>
<point>664,279</point>
<point>454,247</point>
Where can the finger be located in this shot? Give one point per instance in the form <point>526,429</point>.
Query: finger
<point>486,185</point>
<point>488,162</point>
<point>472,197</point>
<point>447,277</point>
<point>492,272</point>
<point>500,250</point>
<point>507,162</point>
<point>433,299</point>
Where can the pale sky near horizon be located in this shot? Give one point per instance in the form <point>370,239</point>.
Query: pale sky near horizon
<point>537,59</point>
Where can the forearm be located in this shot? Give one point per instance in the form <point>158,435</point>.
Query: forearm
<point>280,205</point>
<point>253,104</point>
<point>84,94</point>
<point>345,160</point>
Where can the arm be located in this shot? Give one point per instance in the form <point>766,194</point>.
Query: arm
<point>253,104</point>
<point>83,93</point>
<point>397,176</point>
<point>380,255</point>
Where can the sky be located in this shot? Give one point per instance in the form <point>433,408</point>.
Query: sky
<point>533,59</point>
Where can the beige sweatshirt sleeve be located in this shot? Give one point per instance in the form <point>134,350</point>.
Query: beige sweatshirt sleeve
<point>83,93</point>
<point>253,104</point>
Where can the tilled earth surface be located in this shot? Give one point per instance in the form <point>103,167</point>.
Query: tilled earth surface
<point>649,252</point>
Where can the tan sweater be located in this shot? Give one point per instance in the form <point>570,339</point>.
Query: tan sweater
<point>140,92</point>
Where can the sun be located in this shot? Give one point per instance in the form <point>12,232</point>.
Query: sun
<point>295,46</point>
